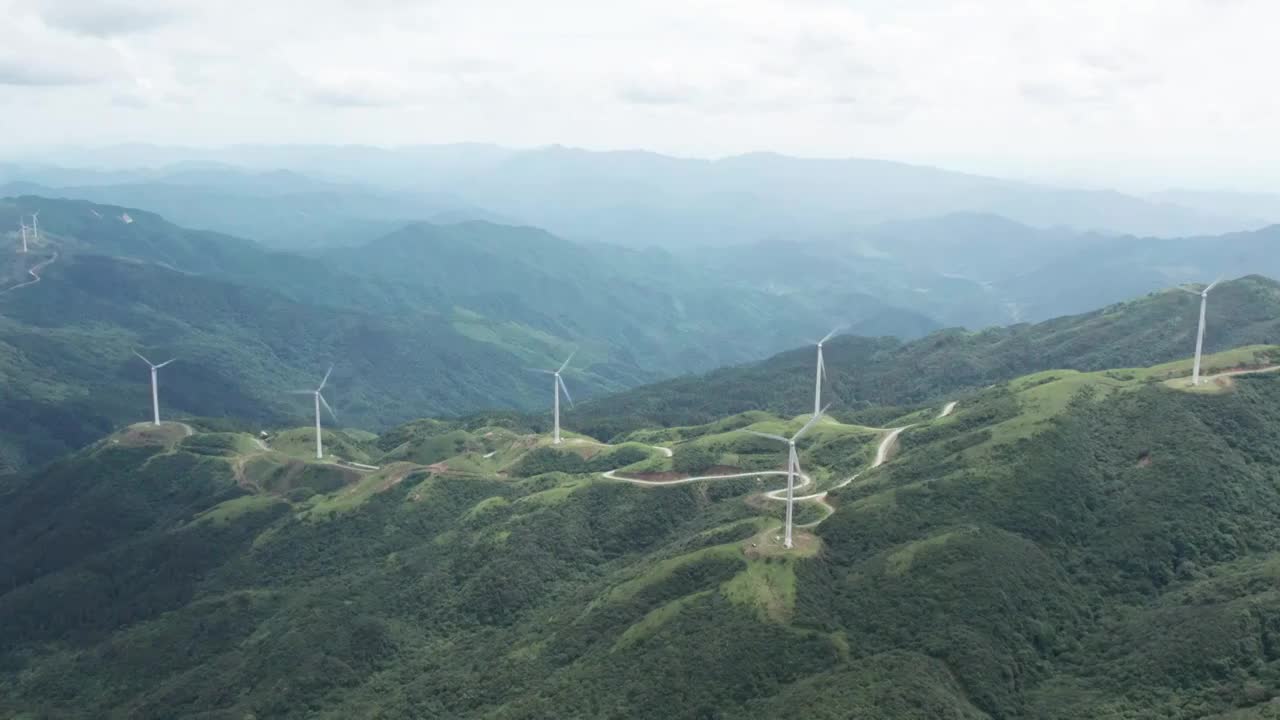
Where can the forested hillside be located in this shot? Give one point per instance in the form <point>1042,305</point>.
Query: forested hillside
<point>430,320</point>
<point>1065,545</point>
<point>867,372</point>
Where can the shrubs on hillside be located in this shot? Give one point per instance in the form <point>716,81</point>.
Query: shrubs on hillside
<point>545,460</point>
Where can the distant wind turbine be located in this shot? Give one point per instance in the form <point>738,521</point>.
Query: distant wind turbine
<point>558,386</point>
<point>1204,302</point>
<point>35,226</point>
<point>155,392</point>
<point>22,224</point>
<point>319,401</point>
<point>820,374</point>
<point>793,467</point>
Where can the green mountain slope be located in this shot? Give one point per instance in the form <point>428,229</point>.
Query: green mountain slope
<point>1066,545</point>
<point>279,209</point>
<point>68,345</point>
<point>868,372</point>
<point>430,320</point>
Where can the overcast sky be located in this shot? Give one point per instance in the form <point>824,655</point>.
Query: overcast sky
<point>1155,92</point>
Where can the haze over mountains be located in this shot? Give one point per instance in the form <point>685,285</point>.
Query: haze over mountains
<point>469,305</point>
<point>1017,507</point>
<point>625,197</point>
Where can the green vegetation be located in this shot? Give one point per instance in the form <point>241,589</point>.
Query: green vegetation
<point>1077,540</point>
<point>866,373</point>
<point>427,320</point>
<point>1066,545</point>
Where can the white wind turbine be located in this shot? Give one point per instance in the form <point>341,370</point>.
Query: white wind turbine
<point>319,401</point>
<point>155,392</point>
<point>23,224</point>
<point>793,467</point>
<point>1204,302</point>
<point>820,374</point>
<point>35,226</point>
<point>558,386</point>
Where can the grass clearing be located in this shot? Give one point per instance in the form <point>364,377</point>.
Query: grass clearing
<point>227,512</point>
<point>663,569</point>
<point>656,618</point>
<point>899,561</point>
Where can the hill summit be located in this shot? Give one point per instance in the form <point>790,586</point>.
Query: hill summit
<point>1065,544</point>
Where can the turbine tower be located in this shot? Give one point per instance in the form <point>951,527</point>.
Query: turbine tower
<point>793,468</point>
<point>820,374</point>
<point>22,224</point>
<point>319,400</point>
<point>1204,302</point>
<point>557,387</point>
<point>155,392</point>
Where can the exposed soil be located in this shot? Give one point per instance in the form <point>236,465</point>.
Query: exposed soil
<point>769,543</point>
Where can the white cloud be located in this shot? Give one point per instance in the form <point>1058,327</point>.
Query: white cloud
<point>1080,88</point>
<point>106,18</point>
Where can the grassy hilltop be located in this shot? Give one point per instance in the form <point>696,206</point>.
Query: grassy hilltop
<point>1062,545</point>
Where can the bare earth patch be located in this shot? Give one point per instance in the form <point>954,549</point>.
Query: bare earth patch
<point>769,544</point>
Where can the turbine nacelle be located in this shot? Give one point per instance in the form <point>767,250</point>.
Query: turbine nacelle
<point>1202,293</point>
<point>827,337</point>
<point>151,364</point>
<point>792,440</point>
<point>319,400</point>
<point>1204,302</point>
<point>558,388</point>
<point>155,390</point>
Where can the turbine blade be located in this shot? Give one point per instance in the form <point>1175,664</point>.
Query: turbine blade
<point>565,389</point>
<point>325,403</point>
<point>135,352</point>
<point>566,362</point>
<point>166,362</point>
<point>540,370</point>
<point>1188,290</point>
<point>810,424</point>
<point>1213,284</point>
<point>326,379</point>
<point>301,392</point>
<point>779,438</point>
<point>830,335</point>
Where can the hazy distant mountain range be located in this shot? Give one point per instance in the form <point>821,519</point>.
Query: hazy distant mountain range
<point>632,197</point>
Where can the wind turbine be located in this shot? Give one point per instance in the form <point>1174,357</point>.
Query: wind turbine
<point>35,226</point>
<point>793,467</point>
<point>820,374</point>
<point>22,224</point>
<point>319,401</point>
<point>1204,302</point>
<point>558,386</point>
<point>155,392</point>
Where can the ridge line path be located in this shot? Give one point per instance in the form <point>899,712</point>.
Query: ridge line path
<point>1233,373</point>
<point>882,455</point>
<point>33,272</point>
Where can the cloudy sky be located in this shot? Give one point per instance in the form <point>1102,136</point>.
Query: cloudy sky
<point>1161,92</point>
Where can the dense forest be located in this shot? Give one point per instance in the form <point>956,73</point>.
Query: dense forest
<point>867,374</point>
<point>430,320</point>
<point>1065,545</point>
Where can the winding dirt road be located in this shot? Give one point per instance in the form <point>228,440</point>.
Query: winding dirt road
<point>1233,373</point>
<point>34,272</point>
<point>882,455</point>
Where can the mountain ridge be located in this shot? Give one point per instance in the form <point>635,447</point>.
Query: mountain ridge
<point>979,574</point>
<point>640,197</point>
